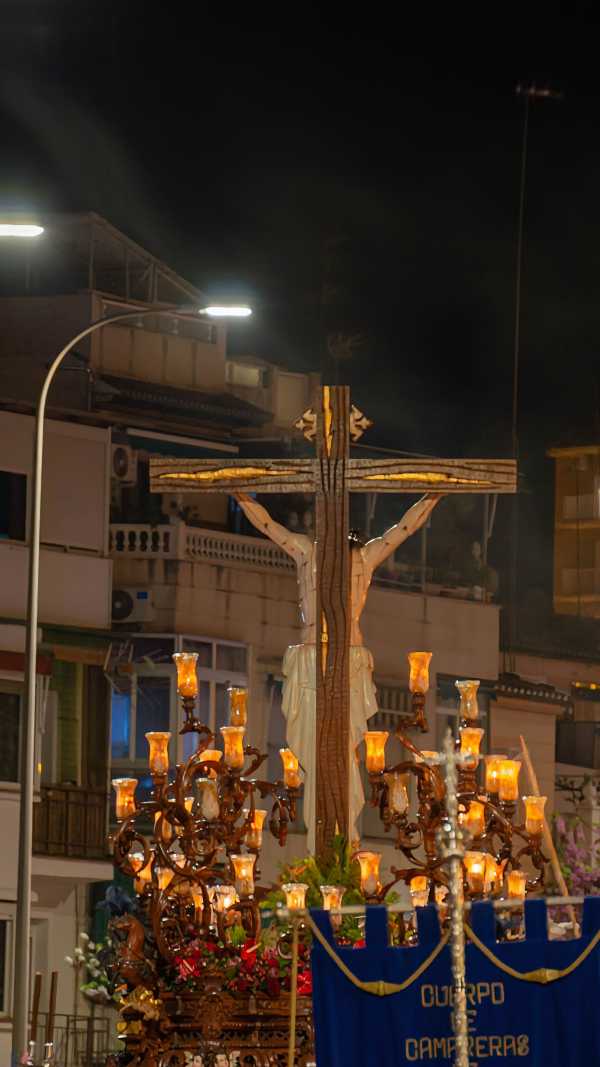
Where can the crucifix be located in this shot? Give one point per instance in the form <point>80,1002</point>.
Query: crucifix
<point>332,475</point>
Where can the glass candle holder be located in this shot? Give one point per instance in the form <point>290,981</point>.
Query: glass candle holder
<point>397,787</point>
<point>493,874</point>
<point>295,895</point>
<point>509,779</point>
<point>238,705</point>
<point>198,899</point>
<point>470,740</point>
<point>369,871</point>
<point>187,679</point>
<point>419,891</point>
<point>213,755</point>
<point>291,774</point>
<point>158,755</point>
<point>534,814</point>
<point>418,663</point>
<point>125,799</point>
<point>475,871</point>
<point>474,819</point>
<point>143,877</point>
<point>208,800</point>
<point>177,855</point>
<point>243,870</point>
<point>254,833</point>
<point>468,698</point>
<point>164,877</point>
<point>332,896</point>
<point>224,896</point>
<point>189,804</point>
<point>136,860</point>
<point>516,885</point>
<point>162,829</point>
<point>233,743</point>
<point>492,773</point>
<point>375,750</point>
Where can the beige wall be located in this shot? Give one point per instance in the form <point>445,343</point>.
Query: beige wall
<point>537,723</point>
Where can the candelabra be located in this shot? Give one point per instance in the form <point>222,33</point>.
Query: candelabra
<point>199,861</point>
<point>486,812</point>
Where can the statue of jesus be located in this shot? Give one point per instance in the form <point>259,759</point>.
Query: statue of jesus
<point>299,699</point>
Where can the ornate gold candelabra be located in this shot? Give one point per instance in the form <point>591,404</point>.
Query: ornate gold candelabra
<point>193,848</point>
<point>486,811</point>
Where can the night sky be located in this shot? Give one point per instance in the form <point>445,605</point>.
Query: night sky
<point>243,146</point>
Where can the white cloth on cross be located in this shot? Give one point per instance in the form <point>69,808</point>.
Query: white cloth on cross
<point>299,706</point>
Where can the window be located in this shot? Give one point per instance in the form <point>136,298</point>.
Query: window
<point>13,505</point>
<point>10,719</point>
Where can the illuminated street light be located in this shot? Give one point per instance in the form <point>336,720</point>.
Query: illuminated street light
<point>223,312</point>
<point>20,229</point>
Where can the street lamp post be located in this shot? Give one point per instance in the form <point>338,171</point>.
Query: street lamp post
<point>27,755</point>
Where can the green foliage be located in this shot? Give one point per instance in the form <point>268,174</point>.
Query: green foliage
<point>337,870</point>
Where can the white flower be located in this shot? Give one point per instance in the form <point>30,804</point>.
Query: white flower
<point>69,960</point>
<point>83,936</point>
<point>91,945</point>
<point>93,962</point>
<point>79,956</point>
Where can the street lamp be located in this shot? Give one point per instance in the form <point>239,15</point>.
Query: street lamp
<point>20,229</point>
<point>23,910</point>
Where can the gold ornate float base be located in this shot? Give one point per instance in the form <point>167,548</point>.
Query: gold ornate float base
<point>255,1029</point>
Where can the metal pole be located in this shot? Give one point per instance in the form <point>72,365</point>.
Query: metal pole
<point>27,754</point>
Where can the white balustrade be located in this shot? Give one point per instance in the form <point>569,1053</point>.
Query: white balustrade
<point>181,542</point>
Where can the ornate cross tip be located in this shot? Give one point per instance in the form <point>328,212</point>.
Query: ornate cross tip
<point>307,424</point>
<point>358,423</point>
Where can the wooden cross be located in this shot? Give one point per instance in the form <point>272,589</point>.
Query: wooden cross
<point>331,476</point>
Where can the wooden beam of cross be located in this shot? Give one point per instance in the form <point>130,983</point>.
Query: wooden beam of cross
<point>331,476</point>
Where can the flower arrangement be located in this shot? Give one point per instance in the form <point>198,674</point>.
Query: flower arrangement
<point>240,966</point>
<point>580,861</point>
<point>92,959</point>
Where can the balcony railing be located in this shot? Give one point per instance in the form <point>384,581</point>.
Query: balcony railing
<point>181,542</point>
<point>71,821</point>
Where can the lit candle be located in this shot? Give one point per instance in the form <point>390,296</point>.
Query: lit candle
<point>233,742</point>
<point>468,698</point>
<point>534,814</point>
<point>295,895</point>
<point>213,755</point>
<point>470,740</point>
<point>198,899</point>
<point>332,896</point>
<point>418,662</point>
<point>509,779</point>
<point>492,773</point>
<point>493,873</point>
<point>474,820</point>
<point>369,871</point>
<point>475,870</point>
<point>419,891</point>
<point>124,800</point>
<point>291,774</point>
<point>254,833</point>
<point>243,869</point>
<point>397,798</point>
<point>238,705</point>
<point>208,801</point>
<point>187,679</point>
<point>164,877</point>
<point>224,897</point>
<point>375,750</point>
<point>516,885</point>
<point>144,877</point>
<point>158,756</point>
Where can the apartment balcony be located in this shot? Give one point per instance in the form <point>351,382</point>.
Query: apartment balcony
<point>70,822</point>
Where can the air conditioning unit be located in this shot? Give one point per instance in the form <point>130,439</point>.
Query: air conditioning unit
<point>132,605</point>
<point>124,464</point>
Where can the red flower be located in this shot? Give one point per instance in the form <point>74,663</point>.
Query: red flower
<point>305,987</point>
<point>248,955</point>
<point>273,986</point>
<point>361,943</point>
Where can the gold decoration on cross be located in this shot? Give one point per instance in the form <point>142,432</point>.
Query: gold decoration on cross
<point>358,423</point>
<point>307,424</point>
<point>427,477</point>
<point>226,474</point>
